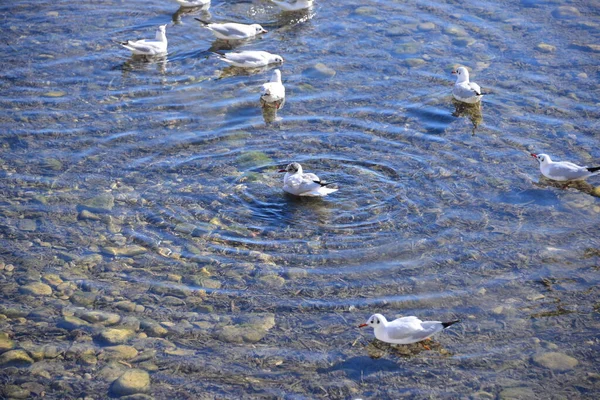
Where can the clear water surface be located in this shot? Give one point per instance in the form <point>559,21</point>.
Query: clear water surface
<point>143,195</point>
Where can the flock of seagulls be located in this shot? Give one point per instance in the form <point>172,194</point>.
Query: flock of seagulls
<point>404,330</point>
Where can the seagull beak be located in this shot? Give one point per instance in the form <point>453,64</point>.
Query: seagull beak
<point>362,325</point>
<point>265,31</point>
<point>281,170</point>
<point>454,72</point>
<point>533,155</point>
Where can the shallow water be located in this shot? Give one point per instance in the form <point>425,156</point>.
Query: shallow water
<point>147,189</point>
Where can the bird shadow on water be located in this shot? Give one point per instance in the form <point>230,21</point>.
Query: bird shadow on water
<point>471,111</point>
<point>200,10</point>
<point>143,63</point>
<point>581,186</point>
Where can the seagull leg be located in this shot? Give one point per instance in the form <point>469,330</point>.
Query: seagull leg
<point>425,346</point>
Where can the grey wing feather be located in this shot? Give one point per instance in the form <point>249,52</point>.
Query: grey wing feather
<point>567,171</point>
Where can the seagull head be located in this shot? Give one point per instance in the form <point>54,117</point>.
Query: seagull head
<point>462,74</point>
<point>276,59</point>
<point>276,76</point>
<point>259,29</point>
<point>375,321</point>
<point>292,168</point>
<point>542,158</point>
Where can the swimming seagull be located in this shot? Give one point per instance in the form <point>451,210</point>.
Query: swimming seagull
<point>304,184</point>
<point>294,5</point>
<point>251,58</point>
<point>192,3</point>
<point>232,30</point>
<point>465,91</point>
<point>274,91</point>
<point>149,47</point>
<point>563,170</point>
<point>404,330</point>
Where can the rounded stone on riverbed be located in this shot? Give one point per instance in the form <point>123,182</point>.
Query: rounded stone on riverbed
<point>119,352</point>
<point>131,382</point>
<point>15,392</point>
<point>36,289</point>
<point>566,12</point>
<point>556,361</point>
<point>5,342</point>
<point>545,48</point>
<point>15,358</point>
<point>426,26</point>
<point>116,335</point>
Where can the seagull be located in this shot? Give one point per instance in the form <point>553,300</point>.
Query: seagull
<point>563,170</point>
<point>295,5</point>
<point>303,184</point>
<point>251,59</point>
<point>274,91</point>
<point>193,3</point>
<point>404,330</point>
<point>465,91</point>
<point>233,31</point>
<point>149,47</point>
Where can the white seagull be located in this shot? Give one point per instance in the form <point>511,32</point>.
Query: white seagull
<point>149,47</point>
<point>404,330</point>
<point>294,5</point>
<point>465,91</point>
<point>563,170</point>
<point>251,59</point>
<point>274,91</point>
<point>304,184</point>
<point>192,3</point>
<point>232,30</point>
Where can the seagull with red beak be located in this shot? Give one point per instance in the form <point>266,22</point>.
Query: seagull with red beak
<point>404,330</point>
<point>563,171</point>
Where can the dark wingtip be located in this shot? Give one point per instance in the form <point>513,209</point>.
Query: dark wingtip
<point>204,22</point>
<point>324,183</point>
<point>593,169</point>
<point>449,323</point>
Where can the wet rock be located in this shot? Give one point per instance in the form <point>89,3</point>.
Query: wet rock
<point>555,361</point>
<point>52,164</point>
<point>252,330</point>
<point>366,10</point>
<point>111,371</point>
<point>85,353</point>
<point>252,159</point>
<point>414,62</point>
<point>407,48</point>
<point>130,382</point>
<point>426,26</point>
<point>275,281</point>
<point>103,203</point>
<point>137,396</point>
<point>27,224</point>
<point>102,317</point>
<point>566,12</point>
<point>16,392</point>
<point>125,305</point>
<point>55,93</point>
<point>36,289</point>
<point>15,358</point>
<point>518,393</point>
<point>319,71</point>
<point>84,299</point>
<point>34,388</point>
<point>120,352</point>
<point>295,273</point>
<point>52,279</point>
<point>153,328</point>
<point>85,214</point>
<point>51,351</point>
<point>5,342</point>
<point>71,323</point>
<point>125,251</point>
<point>455,31</point>
<point>116,335</point>
<point>545,48</point>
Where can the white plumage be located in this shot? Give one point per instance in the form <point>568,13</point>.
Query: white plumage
<point>563,170</point>
<point>303,184</point>
<point>294,5</point>
<point>149,47</point>
<point>233,30</point>
<point>274,91</point>
<point>251,59</point>
<point>464,90</point>
<point>404,330</point>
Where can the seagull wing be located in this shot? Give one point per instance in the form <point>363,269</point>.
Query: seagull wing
<point>566,171</point>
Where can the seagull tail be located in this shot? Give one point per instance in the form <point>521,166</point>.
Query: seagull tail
<point>449,323</point>
<point>324,183</point>
<point>203,21</point>
<point>594,169</point>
